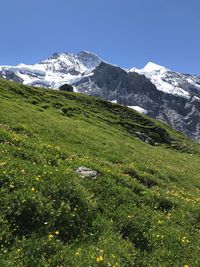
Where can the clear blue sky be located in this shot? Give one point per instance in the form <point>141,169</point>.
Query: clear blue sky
<point>124,32</point>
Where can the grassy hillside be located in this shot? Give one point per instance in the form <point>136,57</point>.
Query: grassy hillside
<point>141,210</point>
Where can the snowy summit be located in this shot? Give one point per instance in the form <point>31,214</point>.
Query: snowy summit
<point>164,79</point>
<point>56,70</point>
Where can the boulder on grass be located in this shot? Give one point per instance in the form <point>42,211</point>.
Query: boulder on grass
<point>86,172</point>
<point>66,87</point>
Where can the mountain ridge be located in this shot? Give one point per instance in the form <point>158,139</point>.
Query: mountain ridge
<point>168,96</point>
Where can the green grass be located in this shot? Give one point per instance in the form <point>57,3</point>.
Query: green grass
<point>142,210</point>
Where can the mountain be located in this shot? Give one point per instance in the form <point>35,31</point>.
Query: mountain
<point>54,71</point>
<point>155,90</point>
<point>140,206</point>
<point>170,82</point>
<point>146,91</point>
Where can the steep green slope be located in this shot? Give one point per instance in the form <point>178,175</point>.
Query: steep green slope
<point>141,210</point>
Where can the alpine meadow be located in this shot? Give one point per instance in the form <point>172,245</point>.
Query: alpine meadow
<point>141,208</point>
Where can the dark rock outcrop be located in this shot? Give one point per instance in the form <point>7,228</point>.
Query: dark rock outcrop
<point>66,87</point>
<point>9,75</point>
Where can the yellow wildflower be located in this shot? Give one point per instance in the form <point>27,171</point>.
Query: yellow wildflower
<point>184,240</point>
<point>50,236</point>
<point>77,253</point>
<point>37,178</point>
<point>33,189</point>
<point>12,185</point>
<point>57,232</point>
<point>99,259</point>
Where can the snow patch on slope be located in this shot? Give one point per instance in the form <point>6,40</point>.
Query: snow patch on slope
<point>138,109</point>
<point>193,82</point>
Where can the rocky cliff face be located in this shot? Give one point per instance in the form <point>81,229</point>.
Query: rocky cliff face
<point>161,93</point>
<point>136,90</point>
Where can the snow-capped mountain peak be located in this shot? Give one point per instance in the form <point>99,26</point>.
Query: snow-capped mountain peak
<point>151,67</point>
<point>58,69</point>
<point>82,62</point>
<point>164,79</point>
